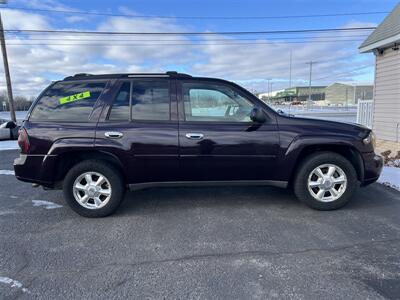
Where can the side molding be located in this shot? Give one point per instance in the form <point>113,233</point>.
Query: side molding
<point>145,185</point>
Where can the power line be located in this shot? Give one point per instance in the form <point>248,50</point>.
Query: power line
<point>344,73</point>
<point>352,32</point>
<point>189,33</point>
<point>198,17</point>
<point>336,37</point>
<point>178,44</point>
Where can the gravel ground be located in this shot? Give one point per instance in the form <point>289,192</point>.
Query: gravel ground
<point>197,243</point>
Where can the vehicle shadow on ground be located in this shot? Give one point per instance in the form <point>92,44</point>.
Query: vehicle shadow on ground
<point>185,198</point>
<point>148,200</point>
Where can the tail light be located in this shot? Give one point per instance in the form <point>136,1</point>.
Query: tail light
<point>23,140</point>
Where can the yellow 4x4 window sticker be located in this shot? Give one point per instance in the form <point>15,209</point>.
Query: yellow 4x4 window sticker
<point>75,97</point>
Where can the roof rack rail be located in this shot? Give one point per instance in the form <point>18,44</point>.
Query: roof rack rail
<point>166,74</point>
<point>82,74</point>
<point>177,74</point>
<point>78,75</point>
<point>172,74</point>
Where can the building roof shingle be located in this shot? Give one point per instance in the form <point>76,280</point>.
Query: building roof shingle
<point>389,28</point>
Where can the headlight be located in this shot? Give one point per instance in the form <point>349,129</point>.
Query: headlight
<point>370,139</point>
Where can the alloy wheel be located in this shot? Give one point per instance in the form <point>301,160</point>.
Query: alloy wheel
<point>92,190</point>
<point>327,183</point>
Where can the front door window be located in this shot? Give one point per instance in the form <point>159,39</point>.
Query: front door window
<point>214,103</point>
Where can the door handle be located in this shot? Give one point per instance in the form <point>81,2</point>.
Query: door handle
<point>114,134</point>
<point>194,136</point>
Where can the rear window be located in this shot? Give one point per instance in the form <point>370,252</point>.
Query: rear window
<point>68,101</point>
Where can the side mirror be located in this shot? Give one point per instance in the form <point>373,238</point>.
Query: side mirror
<point>257,115</point>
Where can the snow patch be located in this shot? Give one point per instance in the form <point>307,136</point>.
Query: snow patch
<point>8,145</point>
<point>13,283</point>
<point>6,172</point>
<point>390,177</point>
<point>46,204</point>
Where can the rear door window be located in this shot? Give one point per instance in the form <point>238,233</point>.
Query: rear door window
<point>68,101</point>
<point>150,100</point>
<point>120,108</point>
<point>147,100</point>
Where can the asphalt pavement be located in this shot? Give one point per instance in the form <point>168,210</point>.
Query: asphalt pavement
<point>198,243</point>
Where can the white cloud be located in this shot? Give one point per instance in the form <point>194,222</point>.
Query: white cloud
<point>33,66</point>
<point>253,64</point>
<point>41,4</point>
<point>28,63</point>
<point>15,19</point>
<point>143,53</point>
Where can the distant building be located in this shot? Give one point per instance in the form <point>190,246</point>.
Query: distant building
<point>347,94</point>
<point>301,93</point>
<point>297,93</point>
<point>265,96</point>
<point>384,42</point>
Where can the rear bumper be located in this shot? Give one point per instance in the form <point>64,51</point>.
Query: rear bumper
<point>373,165</point>
<point>35,168</point>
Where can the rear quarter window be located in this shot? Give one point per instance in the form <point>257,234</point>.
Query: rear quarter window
<point>67,101</point>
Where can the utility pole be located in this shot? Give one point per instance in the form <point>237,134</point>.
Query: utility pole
<point>7,72</point>
<point>268,80</point>
<point>290,70</point>
<point>354,95</point>
<point>271,91</point>
<point>309,84</point>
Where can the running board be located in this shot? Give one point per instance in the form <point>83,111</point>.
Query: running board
<point>145,185</point>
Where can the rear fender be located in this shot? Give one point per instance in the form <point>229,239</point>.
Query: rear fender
<point>48,164</point>
<point>69,152</point>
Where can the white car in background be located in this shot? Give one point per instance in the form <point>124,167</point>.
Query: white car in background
<point>8,130</point>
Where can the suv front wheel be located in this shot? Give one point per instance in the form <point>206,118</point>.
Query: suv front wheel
<point>93,188</point>
<point>325,181</point>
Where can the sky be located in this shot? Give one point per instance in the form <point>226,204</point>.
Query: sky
<point>37,58</point>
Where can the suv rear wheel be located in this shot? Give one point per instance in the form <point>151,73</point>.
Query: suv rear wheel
<point>93,188</point>
<point>325,181</point>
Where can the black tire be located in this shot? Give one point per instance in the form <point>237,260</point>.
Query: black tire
<point>114,178</point>
<point>300,184</point>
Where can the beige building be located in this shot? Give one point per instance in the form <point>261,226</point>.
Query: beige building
<point>384,42</point>
<point>347,94</point>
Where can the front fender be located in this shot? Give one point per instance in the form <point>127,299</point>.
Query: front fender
<point>300,142</point>
<point>291,156</point>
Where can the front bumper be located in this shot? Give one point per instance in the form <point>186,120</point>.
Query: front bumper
<point>373,165</point>
<point>36,168</point>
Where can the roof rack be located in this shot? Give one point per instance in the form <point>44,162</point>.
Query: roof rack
<point>177,74</point>
<point>173,74</point>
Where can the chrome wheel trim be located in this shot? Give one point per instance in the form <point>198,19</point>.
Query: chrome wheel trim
<point>92,190</point>
<point>327,183</point>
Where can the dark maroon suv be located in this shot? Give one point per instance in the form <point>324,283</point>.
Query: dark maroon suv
<point>95,135</point>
